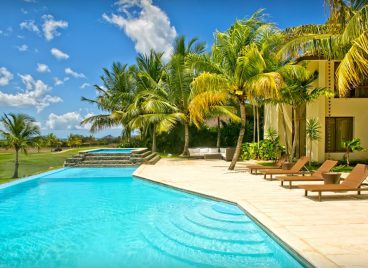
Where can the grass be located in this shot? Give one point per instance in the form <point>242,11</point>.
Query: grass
<point>33,163</point>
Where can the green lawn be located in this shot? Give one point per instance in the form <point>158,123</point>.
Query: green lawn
<point>33,163</point>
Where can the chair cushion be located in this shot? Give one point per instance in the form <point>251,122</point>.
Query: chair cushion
<point>213,150</point>
<point>203,150</point>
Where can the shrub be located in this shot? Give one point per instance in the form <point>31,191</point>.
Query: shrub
<point>268,149</point>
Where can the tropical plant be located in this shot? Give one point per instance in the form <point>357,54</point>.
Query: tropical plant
<point>243,65</point>
<point>268,149</point>
<point>152,110</point>
<point>116,94</point>
<point>313,133</point>
<point>298,90</point>
<point>74,140</point>
<point>344,37</point>
<point>52,141</point>
<point>352,146</point>
<point>19,133</point>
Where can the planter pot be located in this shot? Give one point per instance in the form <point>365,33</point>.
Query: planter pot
<point>287,165</point>
<point>331,177</point>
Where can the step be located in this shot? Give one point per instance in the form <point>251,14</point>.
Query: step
<point>103,165</point>
<point>141,155</point>
<point>97,162</point>
<point>153,160</point>
<point>107,157</point>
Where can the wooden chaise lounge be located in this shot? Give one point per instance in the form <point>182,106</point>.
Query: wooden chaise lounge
<point>295,170</point>
<point>315,176</point>
<point>352,183</point>
<point>277,165</point>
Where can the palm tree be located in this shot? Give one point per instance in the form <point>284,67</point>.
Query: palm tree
<point>242,65</point>
<point>313,134</point>
<point>116,94</point>
<point>344,37</point>
<point>351,146</point>
<point>151,109</point>
<point>180,77</point>
<point>52,140</point>
<point>19,133</point>
<point>298,90</point>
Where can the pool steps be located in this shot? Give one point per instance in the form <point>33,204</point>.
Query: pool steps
<point>90,159</point>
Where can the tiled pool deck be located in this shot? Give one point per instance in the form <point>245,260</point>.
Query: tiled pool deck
<point>332,233</point>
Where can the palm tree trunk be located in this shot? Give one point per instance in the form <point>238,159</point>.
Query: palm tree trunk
<point>186,139</point>
<point>286,140</point>
<point>254,123</point>
<point>258,132</point>
<point>218,142</point>
<point>154,144</point>
<point>310,152</point>
<point>295,134</point>
<point>15,175</point>
<point>241,134</point>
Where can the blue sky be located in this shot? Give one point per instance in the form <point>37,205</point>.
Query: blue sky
<point>52,51</point>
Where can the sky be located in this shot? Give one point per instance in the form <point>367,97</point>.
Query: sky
<point>52,51</point>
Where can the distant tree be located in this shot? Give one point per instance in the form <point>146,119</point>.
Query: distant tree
<point>52,141</point>
<point>19,133</point>
<point>351,146</point>
<point>74,140</point>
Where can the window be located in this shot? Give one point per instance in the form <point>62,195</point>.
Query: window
<point>338,130</point>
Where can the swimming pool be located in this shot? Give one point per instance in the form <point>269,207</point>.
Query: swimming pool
<point>112,151</point>
<point>102,217</point>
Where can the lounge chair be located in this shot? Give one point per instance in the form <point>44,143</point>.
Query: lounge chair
<point>352,182</point>
<point>315,176</point>
<point>277,165</point>
<point>295,170</point>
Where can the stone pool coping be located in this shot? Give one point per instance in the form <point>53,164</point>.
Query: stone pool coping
<point>326,234</point>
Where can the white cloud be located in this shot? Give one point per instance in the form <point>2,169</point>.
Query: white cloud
<point>43,68</point>
<point>57,53</point>
<point>50,26</point>
<point>22,48</point>
<point>84,85</point>
<point>5,76</point>
<point>70,72</point>
<point>150,29</point>
<point>30,25</point>
<point>34,94</point>
<point>67,121</point>
<point>24,11</point>
<point>7,32</point>
<point>59,82</point>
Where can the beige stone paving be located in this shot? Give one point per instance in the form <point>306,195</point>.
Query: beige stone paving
<point>331,233</point>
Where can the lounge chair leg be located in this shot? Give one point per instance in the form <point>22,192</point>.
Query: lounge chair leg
<point>290,182</point>
<point>319,196</point>
<point>265,177</point>
<point>305,193</point>
<point>271,177</point>
<point>282,183</point>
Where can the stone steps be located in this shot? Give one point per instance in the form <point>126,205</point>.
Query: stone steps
<point>136,158</point>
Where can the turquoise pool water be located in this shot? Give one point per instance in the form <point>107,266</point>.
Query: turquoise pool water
<point>114,151</point>
<point>102,217</point>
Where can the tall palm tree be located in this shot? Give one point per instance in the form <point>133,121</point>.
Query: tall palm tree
<point>242,64</point>
<point>19,133</point>
<point>152,109</point>
<point>52,140</point>
<point>116,94</point>
<point>180,77</point>
<point>298,90</point>
<point>344,37</point>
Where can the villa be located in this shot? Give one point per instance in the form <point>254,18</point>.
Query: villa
<point>341,119</point>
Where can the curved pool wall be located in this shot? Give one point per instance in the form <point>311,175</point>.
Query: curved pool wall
<point>94,217</point>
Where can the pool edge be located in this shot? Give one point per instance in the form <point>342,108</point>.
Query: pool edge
<point>299,255</point>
